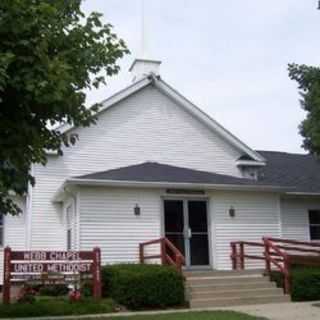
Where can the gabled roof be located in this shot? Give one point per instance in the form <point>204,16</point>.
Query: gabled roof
<point>183,102</point>
<point>163,174</point>
<point>301,171</point>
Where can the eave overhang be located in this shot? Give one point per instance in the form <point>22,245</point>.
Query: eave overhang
<point>159,185</point>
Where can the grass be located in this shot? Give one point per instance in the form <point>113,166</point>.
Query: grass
<point>56,307</point>
<point>53,306</point>
<point>207,315</point>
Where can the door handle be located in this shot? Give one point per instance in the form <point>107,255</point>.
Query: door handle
<point>187,233</point>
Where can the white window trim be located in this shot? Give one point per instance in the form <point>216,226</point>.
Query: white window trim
<point>67,205</point>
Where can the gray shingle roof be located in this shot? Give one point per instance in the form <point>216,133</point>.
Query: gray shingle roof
<point>301,171</point>
<point>156,172</point>
<point>293,172</point>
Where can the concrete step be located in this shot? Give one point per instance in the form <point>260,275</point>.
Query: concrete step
<point>197,281</point>
<point>222,273</point>
<point>240,293</point>
<point>230,286</point>
<point>237,301</point>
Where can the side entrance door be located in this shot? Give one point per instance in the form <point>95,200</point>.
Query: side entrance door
<point>186,226</point>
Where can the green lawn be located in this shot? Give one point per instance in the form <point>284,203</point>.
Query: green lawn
<point>209,315</point>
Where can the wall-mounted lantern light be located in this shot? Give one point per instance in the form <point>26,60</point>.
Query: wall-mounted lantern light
<point>137,210</point>
<point>232,212</point>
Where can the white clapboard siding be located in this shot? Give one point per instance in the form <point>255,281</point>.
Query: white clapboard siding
<point>295,217</point>
<point>107,220</point>
<point>147,126</point>
<point>256,215</point>
<point>150,127</point>
<point>14,232</point>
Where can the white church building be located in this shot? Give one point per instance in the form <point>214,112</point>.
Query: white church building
<point>155,165</point>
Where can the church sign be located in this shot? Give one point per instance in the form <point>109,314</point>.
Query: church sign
<point>46,266</point>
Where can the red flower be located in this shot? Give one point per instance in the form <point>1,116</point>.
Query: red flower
<point>75,296</point>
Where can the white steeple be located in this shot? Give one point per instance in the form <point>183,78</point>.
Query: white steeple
<point>143,66</point>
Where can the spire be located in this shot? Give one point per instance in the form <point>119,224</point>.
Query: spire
<point>143,65</point>
<point>143,31</point>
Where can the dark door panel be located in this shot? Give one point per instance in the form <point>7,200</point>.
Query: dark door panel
<point>174,223</point>
<point>198,231</point>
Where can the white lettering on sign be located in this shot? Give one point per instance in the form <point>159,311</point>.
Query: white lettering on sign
<point>69,268</point>
<point>51,256</point>
<point>51,267</point>
<point>64,256</point>
<point>35,255</point>
<point>28,268</point>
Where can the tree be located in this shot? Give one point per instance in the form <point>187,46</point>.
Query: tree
<point>50,52</point>
<point>308,79</point>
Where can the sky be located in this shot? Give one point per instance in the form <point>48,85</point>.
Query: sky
<point>229,57</point>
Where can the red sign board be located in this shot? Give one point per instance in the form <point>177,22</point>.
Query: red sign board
<point>31,263</point>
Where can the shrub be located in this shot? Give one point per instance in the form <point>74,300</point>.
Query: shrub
<point>26,295</point>
<point>86,289</point>
<point>143,286</point>
<point>277,277</point>
<point>52,307</point>
<point>54,290</point>
<point>305,284</point>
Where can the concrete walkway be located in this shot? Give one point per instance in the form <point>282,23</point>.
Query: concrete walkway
<point>276,311</point>
<point>283,311</point>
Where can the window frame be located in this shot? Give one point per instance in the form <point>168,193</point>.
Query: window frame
<point>310,211</point>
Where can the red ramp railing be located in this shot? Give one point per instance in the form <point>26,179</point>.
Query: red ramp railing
<point>277,254</point>
<point>169,253</point>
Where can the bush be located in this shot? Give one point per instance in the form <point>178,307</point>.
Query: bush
<point>56,307</point>
<point>143,286</point>
<point>305,284</point>
<point>54,290</point>
<point>87,289</point>
<point>26,295</point>
<point>277,277</point>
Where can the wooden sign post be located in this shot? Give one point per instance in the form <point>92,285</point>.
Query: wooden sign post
<point>38,263</point>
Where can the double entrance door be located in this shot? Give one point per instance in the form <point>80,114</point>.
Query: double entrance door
<point>186,226</point>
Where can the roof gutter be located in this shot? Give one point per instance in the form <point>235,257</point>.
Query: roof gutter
<point>60,194</point>
<point>313,194</point>
<point>156,184</point>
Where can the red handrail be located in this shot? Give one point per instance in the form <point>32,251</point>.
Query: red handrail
<point>284,268</point>
<point>276,255</point>
<point>238,254</point>
<point>169,253</point>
